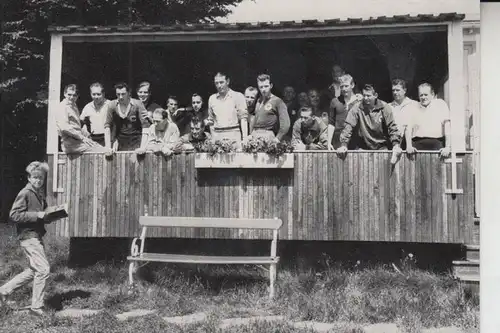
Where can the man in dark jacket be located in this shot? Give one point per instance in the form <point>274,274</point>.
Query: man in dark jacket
<point>28,212</point>
<point>374,123</point>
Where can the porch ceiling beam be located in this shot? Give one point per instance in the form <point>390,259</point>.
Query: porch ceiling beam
<point>251,34</point>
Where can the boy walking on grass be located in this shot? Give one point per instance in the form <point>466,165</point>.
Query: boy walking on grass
<point>28,212</point>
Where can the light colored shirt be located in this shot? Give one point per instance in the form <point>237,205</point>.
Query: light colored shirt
<point>169,136</point>
<point>96,116</point>
<point>227,111</point>
<point>69,128</point>
<point>428,122</point>
<point>403,112</point>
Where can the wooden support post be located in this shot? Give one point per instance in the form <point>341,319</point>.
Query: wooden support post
<point>456,91</point>
<point>55,70</point>
<point>272,267</point>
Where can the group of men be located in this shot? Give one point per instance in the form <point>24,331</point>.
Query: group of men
<point>348,119</point>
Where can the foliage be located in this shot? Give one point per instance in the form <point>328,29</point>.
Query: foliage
<point>266,145</point>
<point>223,146</point>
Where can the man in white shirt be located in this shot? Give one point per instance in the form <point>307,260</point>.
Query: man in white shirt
<point>74,140</point>
<point>430,124</point>
<point>94,113</point>
<point>402,108</point>
<point>227,112</point>
<point>162,135</point>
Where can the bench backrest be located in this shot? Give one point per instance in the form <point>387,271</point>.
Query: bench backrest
<point>209,222</point>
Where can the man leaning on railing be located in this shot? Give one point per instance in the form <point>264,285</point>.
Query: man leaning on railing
<point>74,139</point>
<point>161,136</point>
<point>309,131</point>
<point>374,122</point>
<point>430,123</point>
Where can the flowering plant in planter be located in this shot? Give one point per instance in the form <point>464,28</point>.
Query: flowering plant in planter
<point>216,147</point>
<point>266,145</point>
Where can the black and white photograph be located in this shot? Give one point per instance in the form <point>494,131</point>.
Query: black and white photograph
<point>241,166</point>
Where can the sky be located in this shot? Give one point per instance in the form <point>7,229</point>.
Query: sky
<point>283,10</point>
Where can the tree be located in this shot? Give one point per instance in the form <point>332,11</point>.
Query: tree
<point>24,55</point>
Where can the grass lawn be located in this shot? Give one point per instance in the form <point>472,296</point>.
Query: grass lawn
<point>411,298</point>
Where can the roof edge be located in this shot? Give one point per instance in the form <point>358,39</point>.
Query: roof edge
<point>420,18</point>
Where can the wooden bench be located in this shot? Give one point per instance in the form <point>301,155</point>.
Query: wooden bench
<point>138,254</point>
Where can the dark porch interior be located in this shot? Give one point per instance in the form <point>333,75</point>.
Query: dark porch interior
<point>182,68</point>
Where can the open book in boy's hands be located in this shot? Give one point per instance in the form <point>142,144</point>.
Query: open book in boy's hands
<point>54,213</point>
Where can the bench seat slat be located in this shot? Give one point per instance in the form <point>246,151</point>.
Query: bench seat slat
<point>198,259</point>
<point>209,222</point>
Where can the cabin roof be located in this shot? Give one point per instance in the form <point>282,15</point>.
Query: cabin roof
<point>274,25</point>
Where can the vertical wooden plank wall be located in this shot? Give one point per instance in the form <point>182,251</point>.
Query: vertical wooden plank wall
<point>362,197</point>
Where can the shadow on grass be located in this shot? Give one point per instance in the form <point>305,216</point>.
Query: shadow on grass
<point>56,301</point>
<point>213,278</point>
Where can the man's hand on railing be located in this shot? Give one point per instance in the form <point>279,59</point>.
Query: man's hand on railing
<point>342,151</point>
<point>445,152</point>
<point>396,154</point>
<point>330,147</point>
<point>140,151</point>
<point>410,150</point>
<point>167,151</point>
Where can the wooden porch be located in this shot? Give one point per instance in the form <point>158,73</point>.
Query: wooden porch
<point>361,198</point>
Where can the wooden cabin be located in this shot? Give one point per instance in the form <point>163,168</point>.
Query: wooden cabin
<point>317,195</point>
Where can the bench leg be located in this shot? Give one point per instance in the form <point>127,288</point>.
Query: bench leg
<point>272,278</point>
<point>132,268</point>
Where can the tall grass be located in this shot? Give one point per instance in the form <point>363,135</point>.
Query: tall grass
<point>412,298</point>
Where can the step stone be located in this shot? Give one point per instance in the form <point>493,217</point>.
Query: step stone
<point>472,252</point>
<point>466,267</point>
<point>187,319</point>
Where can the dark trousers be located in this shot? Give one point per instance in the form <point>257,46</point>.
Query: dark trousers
<point>99,138</point>
<point>428,143</point>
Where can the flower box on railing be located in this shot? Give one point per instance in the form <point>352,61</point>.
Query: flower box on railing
<point>243,160</point>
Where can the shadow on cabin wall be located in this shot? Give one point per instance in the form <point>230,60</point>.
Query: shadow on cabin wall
<point>304,255</point>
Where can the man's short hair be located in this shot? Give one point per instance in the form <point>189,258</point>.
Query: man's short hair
<point>97,85</point>
<point>264,77</point>
<point>346,77</point>
<point>161,112</point>
<point>144,84</point>
<point>196,95</point>
<point>72,87</point>
<point>37,166</point>
<point>251,89</point>
<point>305,109</point>
<point>369,87</point>
<point>122,85</point>
<point>310,90</point>
<point>399,82</point>
<point>425,84</point>
<point>222,74</point>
